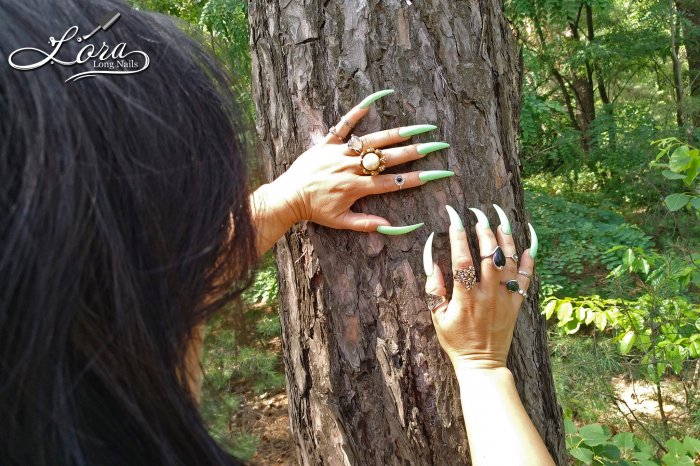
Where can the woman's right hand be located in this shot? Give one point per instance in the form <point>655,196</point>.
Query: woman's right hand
<point>475,327</point>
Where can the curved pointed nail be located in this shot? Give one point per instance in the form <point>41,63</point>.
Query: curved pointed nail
<point>408,131</point>
<point>534,242</point>
<point>483,221</point>
<point>432,175</point>
<point>372,98</point>
<point>505,223</point>
<point>455,221</point>
<point>429,147</point>
<point>386,230</point>
<point>428,256</point>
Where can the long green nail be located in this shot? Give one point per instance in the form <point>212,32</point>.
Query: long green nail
<point>432,175</point>
<point>455,221</point>
<point>481,217</point>
<point>429,147</point>
<point>505,223</point>
<point>408,131</point>
<point>385,230</point>
<point>534,243</point>
<point>428,256</point>
<point>370,99</point>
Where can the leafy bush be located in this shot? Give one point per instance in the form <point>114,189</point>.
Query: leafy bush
<point>594,444</point>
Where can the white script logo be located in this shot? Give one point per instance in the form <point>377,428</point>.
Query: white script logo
<point>104,60</point>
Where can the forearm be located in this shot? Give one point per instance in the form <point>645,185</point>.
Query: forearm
<point>498,427</point>
<point>272,216</point>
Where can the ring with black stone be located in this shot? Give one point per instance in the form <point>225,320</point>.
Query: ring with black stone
<point>498,258</point>
<point>399,180</point>
<point>514,287</point>
<point>434,301</point>
<point>466,276</point>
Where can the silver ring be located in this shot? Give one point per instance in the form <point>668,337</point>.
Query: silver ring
<point>399,180</point>
<point>514,256</point>
<point>347,123</point>
<point>467,277</point>
<point>525,274</point>
<point>514,287</point>
<point>497,256</point>
<point>355,144</point>
<point>434,301</point>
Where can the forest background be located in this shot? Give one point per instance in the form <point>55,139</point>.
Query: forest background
<point>610,127</point>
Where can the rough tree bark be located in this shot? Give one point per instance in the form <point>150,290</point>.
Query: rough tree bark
<point>366,380</point>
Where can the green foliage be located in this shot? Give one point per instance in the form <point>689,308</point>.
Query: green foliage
<point>264,289</point>
<point>594,444</point>
<point>683,163</point>
<point>576,240</point>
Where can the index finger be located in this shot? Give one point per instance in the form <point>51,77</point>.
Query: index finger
<point>341,130</point>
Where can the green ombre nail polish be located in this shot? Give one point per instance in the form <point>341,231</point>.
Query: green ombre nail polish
<point>428,256</point>
<point>534,243</point>
<point>408,131</point>
<point>429,147</point>
<point>505,223</point>
<point>372,98</point>
<point>455,221</point>
<point>481,217</point>
<point>385,230</point>
<point>432,175</point>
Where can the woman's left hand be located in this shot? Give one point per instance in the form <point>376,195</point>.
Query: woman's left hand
<point>326,180</point>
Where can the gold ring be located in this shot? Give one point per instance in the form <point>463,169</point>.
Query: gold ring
<point>331,130</point>
<point>467,277</point>
<point>434,301</point>
<point>372,161</point>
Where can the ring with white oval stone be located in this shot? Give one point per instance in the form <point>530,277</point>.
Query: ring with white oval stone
<point>399,180</point>
<point>372,161</point>
<point>355,144</point>
<point>514,256</point>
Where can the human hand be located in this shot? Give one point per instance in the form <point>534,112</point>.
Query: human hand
<point>326,180</point>
<point>475,327</point>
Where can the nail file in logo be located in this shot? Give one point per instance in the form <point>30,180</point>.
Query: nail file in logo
<point>105,23</point>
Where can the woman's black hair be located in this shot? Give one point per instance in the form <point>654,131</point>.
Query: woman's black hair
<point>124,222</point>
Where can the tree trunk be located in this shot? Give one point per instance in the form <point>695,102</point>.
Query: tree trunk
<point>690,10</point>
<point>366,379</point>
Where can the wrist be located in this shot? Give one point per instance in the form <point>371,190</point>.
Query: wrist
<point>474,374</point>
<point>270,197</point>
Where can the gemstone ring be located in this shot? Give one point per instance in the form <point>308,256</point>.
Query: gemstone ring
<point>498,257</point>
<point>514,287</point>
<point>372,161</point>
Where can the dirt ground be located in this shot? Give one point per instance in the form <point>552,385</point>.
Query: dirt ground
<point>266,416</point>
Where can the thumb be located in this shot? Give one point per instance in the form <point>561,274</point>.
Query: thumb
<point>355,221</point>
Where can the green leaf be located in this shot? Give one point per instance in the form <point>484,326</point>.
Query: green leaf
<point>627,342</point>
<point>600,320</point>
<point>569,426</point>
<point>692,445</point>
<point>680,159</point>
<point>692,171</point>
<point>672,175</point>
<point>695,202</point>
<point>676,201</point>
<point>582,454</point>
<point>549,309</point>
<point>564,312</point>
<point>608,451</point>
<point>593,434</point>
<point>624,440</point>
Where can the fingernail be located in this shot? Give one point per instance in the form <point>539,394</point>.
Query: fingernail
<point>385,230</point>
<point>481,217</point>
<point>455,221</point>
<point>370,99</point>
<point>408,131</point>
<point>505,223</point>
<point>428,256</point>
<point>534,243</point>
<point>432,175</point>
<point>429,147</point>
